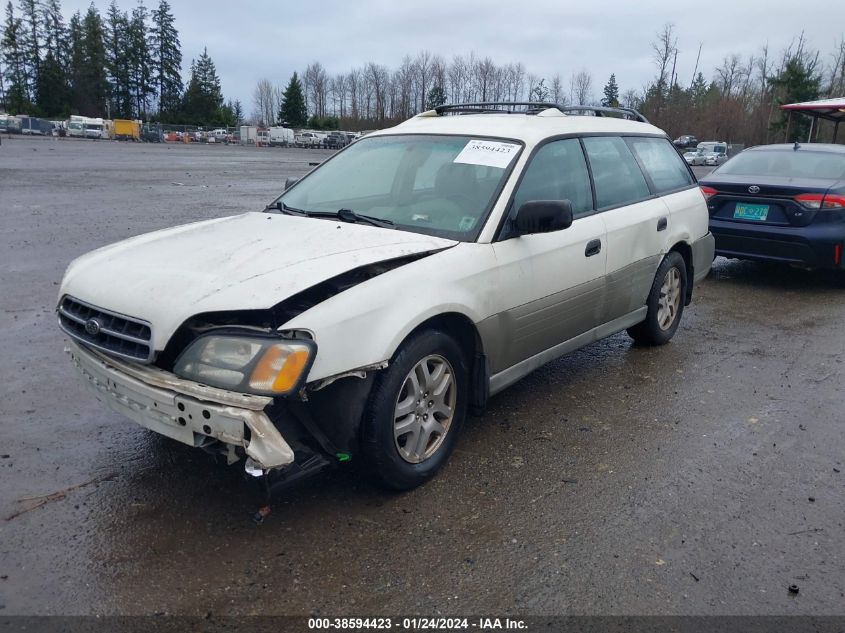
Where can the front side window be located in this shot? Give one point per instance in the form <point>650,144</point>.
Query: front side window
<point>557,171</point>
<point>440,185</point>
<point>661,162</point>
<point>616,174</point>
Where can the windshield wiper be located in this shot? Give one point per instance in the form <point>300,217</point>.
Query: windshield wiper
<point>345,215</point>
<point>348,215</point>
<point>281,207</point>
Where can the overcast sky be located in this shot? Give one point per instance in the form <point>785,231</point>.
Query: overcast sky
<point>252,39</point>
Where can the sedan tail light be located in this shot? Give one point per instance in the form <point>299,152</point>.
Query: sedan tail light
<point>821,201</point>
<point>708,192</point>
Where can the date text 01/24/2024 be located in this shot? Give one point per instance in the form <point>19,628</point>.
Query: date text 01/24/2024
<point>417,624</point>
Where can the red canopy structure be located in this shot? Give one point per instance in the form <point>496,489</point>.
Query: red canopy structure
<point>828,109</point>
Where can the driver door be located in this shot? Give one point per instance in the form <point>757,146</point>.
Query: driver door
<point>552,283</point>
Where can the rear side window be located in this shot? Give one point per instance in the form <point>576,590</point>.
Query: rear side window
<point>558,171</point>
<point>662,163</point>
<point>616,174</point>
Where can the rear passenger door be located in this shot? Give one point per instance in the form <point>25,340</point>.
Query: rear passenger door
<point>553,282</point>
<point>636,221</point>
<point>670,178</point>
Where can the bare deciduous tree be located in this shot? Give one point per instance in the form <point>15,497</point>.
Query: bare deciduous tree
<point>265,105</point>
<point>581,87</point>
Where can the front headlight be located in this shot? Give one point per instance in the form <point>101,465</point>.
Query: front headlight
<point>266,366</point>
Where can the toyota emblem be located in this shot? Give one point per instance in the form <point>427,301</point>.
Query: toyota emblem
<point>92,327</point>
<point>754,189</point>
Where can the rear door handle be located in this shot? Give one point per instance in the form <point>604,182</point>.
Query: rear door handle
<point>593,248</point>
<point>662,223</point>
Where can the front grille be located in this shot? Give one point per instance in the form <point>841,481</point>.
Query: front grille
<point>106,331</point>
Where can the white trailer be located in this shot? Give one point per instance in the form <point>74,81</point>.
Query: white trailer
<point>249,134</point>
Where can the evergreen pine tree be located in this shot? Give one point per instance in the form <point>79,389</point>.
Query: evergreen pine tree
<point>797,82</point>
<point>611,93</point>
<point>698,90</point>
<point>89,85</point>
<point>51,90</point>
<point>52,93</point>
<point>203,97</point>
<point>55,33</point>
<point>31,35</point>
<point>293,112</point>
<point>167,61</point>
<point>436,97</point>
<point>77,59</point>
<point>238,112</point>
<point>117,47</point>
<point>140,61</point>
<point>14,63</point>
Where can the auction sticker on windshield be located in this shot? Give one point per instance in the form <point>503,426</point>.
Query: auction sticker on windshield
<point>487,153</point>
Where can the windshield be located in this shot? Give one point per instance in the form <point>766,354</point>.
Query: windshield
<point>786,164</point>
<point>439,185</point>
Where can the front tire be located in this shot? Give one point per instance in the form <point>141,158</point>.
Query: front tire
<point>665,303</point>
<point>416,410</point>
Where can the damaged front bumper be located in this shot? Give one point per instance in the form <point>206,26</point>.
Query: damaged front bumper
<point>184,410</point>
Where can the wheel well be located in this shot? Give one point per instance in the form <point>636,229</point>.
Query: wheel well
<point>459,326</point>
<point>685,251</point>
<point>463,330</point>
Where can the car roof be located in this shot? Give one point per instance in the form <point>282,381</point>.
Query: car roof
<point>529,128</point>
<point>812,147</point>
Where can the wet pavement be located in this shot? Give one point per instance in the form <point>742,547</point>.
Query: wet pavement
<point>703,477</point>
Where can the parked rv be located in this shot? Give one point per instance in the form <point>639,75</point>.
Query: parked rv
<point>10,124</point>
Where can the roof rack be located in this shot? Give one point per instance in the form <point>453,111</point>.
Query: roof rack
<point>603,110</point>
<point>533,107</point>
<point>506,107</point>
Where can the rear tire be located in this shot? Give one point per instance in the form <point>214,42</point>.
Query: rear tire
<point>665,303</point>
<point>416,411</point>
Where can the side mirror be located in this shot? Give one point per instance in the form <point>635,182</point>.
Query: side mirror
<point>290,181</point>
<point>542,216</point>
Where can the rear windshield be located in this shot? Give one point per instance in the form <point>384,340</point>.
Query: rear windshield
<point>786,164</point>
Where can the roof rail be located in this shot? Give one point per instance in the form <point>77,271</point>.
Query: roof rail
<point>507,107</point>
<point>602,110</point>
<point>532,107</point>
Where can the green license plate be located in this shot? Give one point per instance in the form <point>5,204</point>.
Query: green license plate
<point>756,212</point>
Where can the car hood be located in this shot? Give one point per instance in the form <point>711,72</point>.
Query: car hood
<point>251,261</point>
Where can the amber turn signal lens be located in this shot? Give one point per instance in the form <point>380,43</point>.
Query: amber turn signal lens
<point>279,369</point>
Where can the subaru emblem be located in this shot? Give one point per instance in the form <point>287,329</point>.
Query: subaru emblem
<point>92,327</point>
<point>754,189</point>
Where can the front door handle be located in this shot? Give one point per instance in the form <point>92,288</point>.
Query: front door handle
<point>593,248</point>
<point>662,223</point>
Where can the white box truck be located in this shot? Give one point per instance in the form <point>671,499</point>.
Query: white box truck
<point>281,137</point>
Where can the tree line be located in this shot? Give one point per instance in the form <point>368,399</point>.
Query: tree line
<point>737,102</point>
<point>121,65</point>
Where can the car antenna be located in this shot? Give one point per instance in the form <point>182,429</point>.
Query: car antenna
<point>796,146</point>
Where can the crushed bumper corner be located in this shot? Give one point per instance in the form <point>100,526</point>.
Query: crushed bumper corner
<point>183,410</point>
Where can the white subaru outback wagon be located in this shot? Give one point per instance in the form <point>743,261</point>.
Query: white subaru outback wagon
<point>394,288</point>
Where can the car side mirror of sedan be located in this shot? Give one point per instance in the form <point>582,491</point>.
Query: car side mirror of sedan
<point>542,216</point>
<point>290,181</point>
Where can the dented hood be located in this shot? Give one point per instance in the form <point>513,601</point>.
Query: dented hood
<point>250,261</point>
